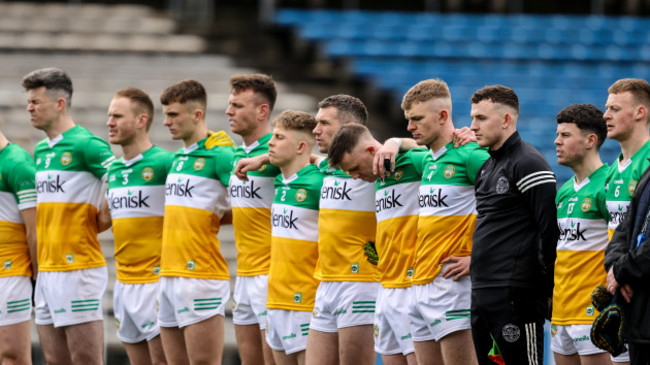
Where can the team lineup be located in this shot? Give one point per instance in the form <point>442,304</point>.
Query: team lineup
<point>450,247</point>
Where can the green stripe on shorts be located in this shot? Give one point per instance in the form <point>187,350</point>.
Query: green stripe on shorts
<point>203,304</point>
<point>85,305</point>
<point>304,328</point>
<point>19,305</point>
<point>457,314</point>
<point>363,306</point>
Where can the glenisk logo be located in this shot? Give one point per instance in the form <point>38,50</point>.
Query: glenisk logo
<point>283,219</point>
<point>388,201</point>
<point>336,192</point>
<point>50,186</point>
<point>434,199</point>
<point>574,233</point>
<point>128,201</point>
<point>179,189</point>
<point>245,191</point>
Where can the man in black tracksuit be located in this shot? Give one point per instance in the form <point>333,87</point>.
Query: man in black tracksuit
<point>515,237</point>
<point>627,261</point>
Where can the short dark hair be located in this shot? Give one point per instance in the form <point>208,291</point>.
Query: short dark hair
<point>54,79</point>
<point>349,108</point>
<point>262,85</point>
<point>497,94</point>
<point>587,118</point>
<point>184,91</point>
<point>141,102</point>
<point>344,141</point>
<point>638,87</point>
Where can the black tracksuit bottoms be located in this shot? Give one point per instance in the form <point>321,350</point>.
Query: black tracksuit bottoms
<point>514,318</point>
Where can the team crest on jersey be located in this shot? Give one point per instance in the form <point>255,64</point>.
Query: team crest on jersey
<point>631,187</point>
<point>66,158</point>
<point>449,172</point>
<point>586,205</point>
<point>301,195</point>
<point>199,164</point>
<point>502,185</point>
<point>399,174</point>
<point>147,174</point>
<point>262,168</point>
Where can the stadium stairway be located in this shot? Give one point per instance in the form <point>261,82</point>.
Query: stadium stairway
<point>104,50</point>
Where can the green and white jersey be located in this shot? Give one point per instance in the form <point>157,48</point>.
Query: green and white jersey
<point>69,173</point>
<point>196,198</point>
<point>582,219</point>
<point>17,192</point>
<point>621,184</point>
<point>294,242</point>
<point>346,222</point>
<point>397,209</point>
<point>136,198</point>
<point>447,207</point>
<point>251,211</point>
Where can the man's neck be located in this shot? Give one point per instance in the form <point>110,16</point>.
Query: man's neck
<point>298,163</point>
<point>445,136</point>
<point>60,126</point>
<point>631,145</point>
<point>258,133</point>
<point>199,133</point>
<point>587,166</point>
<point>138,146</point>
<point>3,141</point>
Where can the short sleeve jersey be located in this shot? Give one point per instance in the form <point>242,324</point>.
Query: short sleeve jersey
<point>447,207</point>
<point>196,197</point>
<point>582,218</point>
<point>397,209</point>
<point>621,184</point>
<point>346,222</point>
<point>294,242</point>
<point>17,192</point>
<point>251,211</point>
<point>136,198</point>
<point>69,173</point>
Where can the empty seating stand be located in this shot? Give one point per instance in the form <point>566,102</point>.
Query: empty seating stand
<point>551,61</point>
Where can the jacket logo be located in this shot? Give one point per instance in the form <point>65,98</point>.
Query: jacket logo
<point>502,185</point>
<point>510,332</point>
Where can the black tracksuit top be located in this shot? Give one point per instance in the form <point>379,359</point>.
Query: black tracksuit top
<point>516,231</point>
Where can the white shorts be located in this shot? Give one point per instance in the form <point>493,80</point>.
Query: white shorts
<point>66,298</point>
<point>571,339</point>
<point>287,330</point>
<point>186,301</point>
<point>249,300</point>
<point>440,307</point>
<point>15,300</point>
<point>136,311</point>
<point>392,329</point>
<point>341,304</point>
